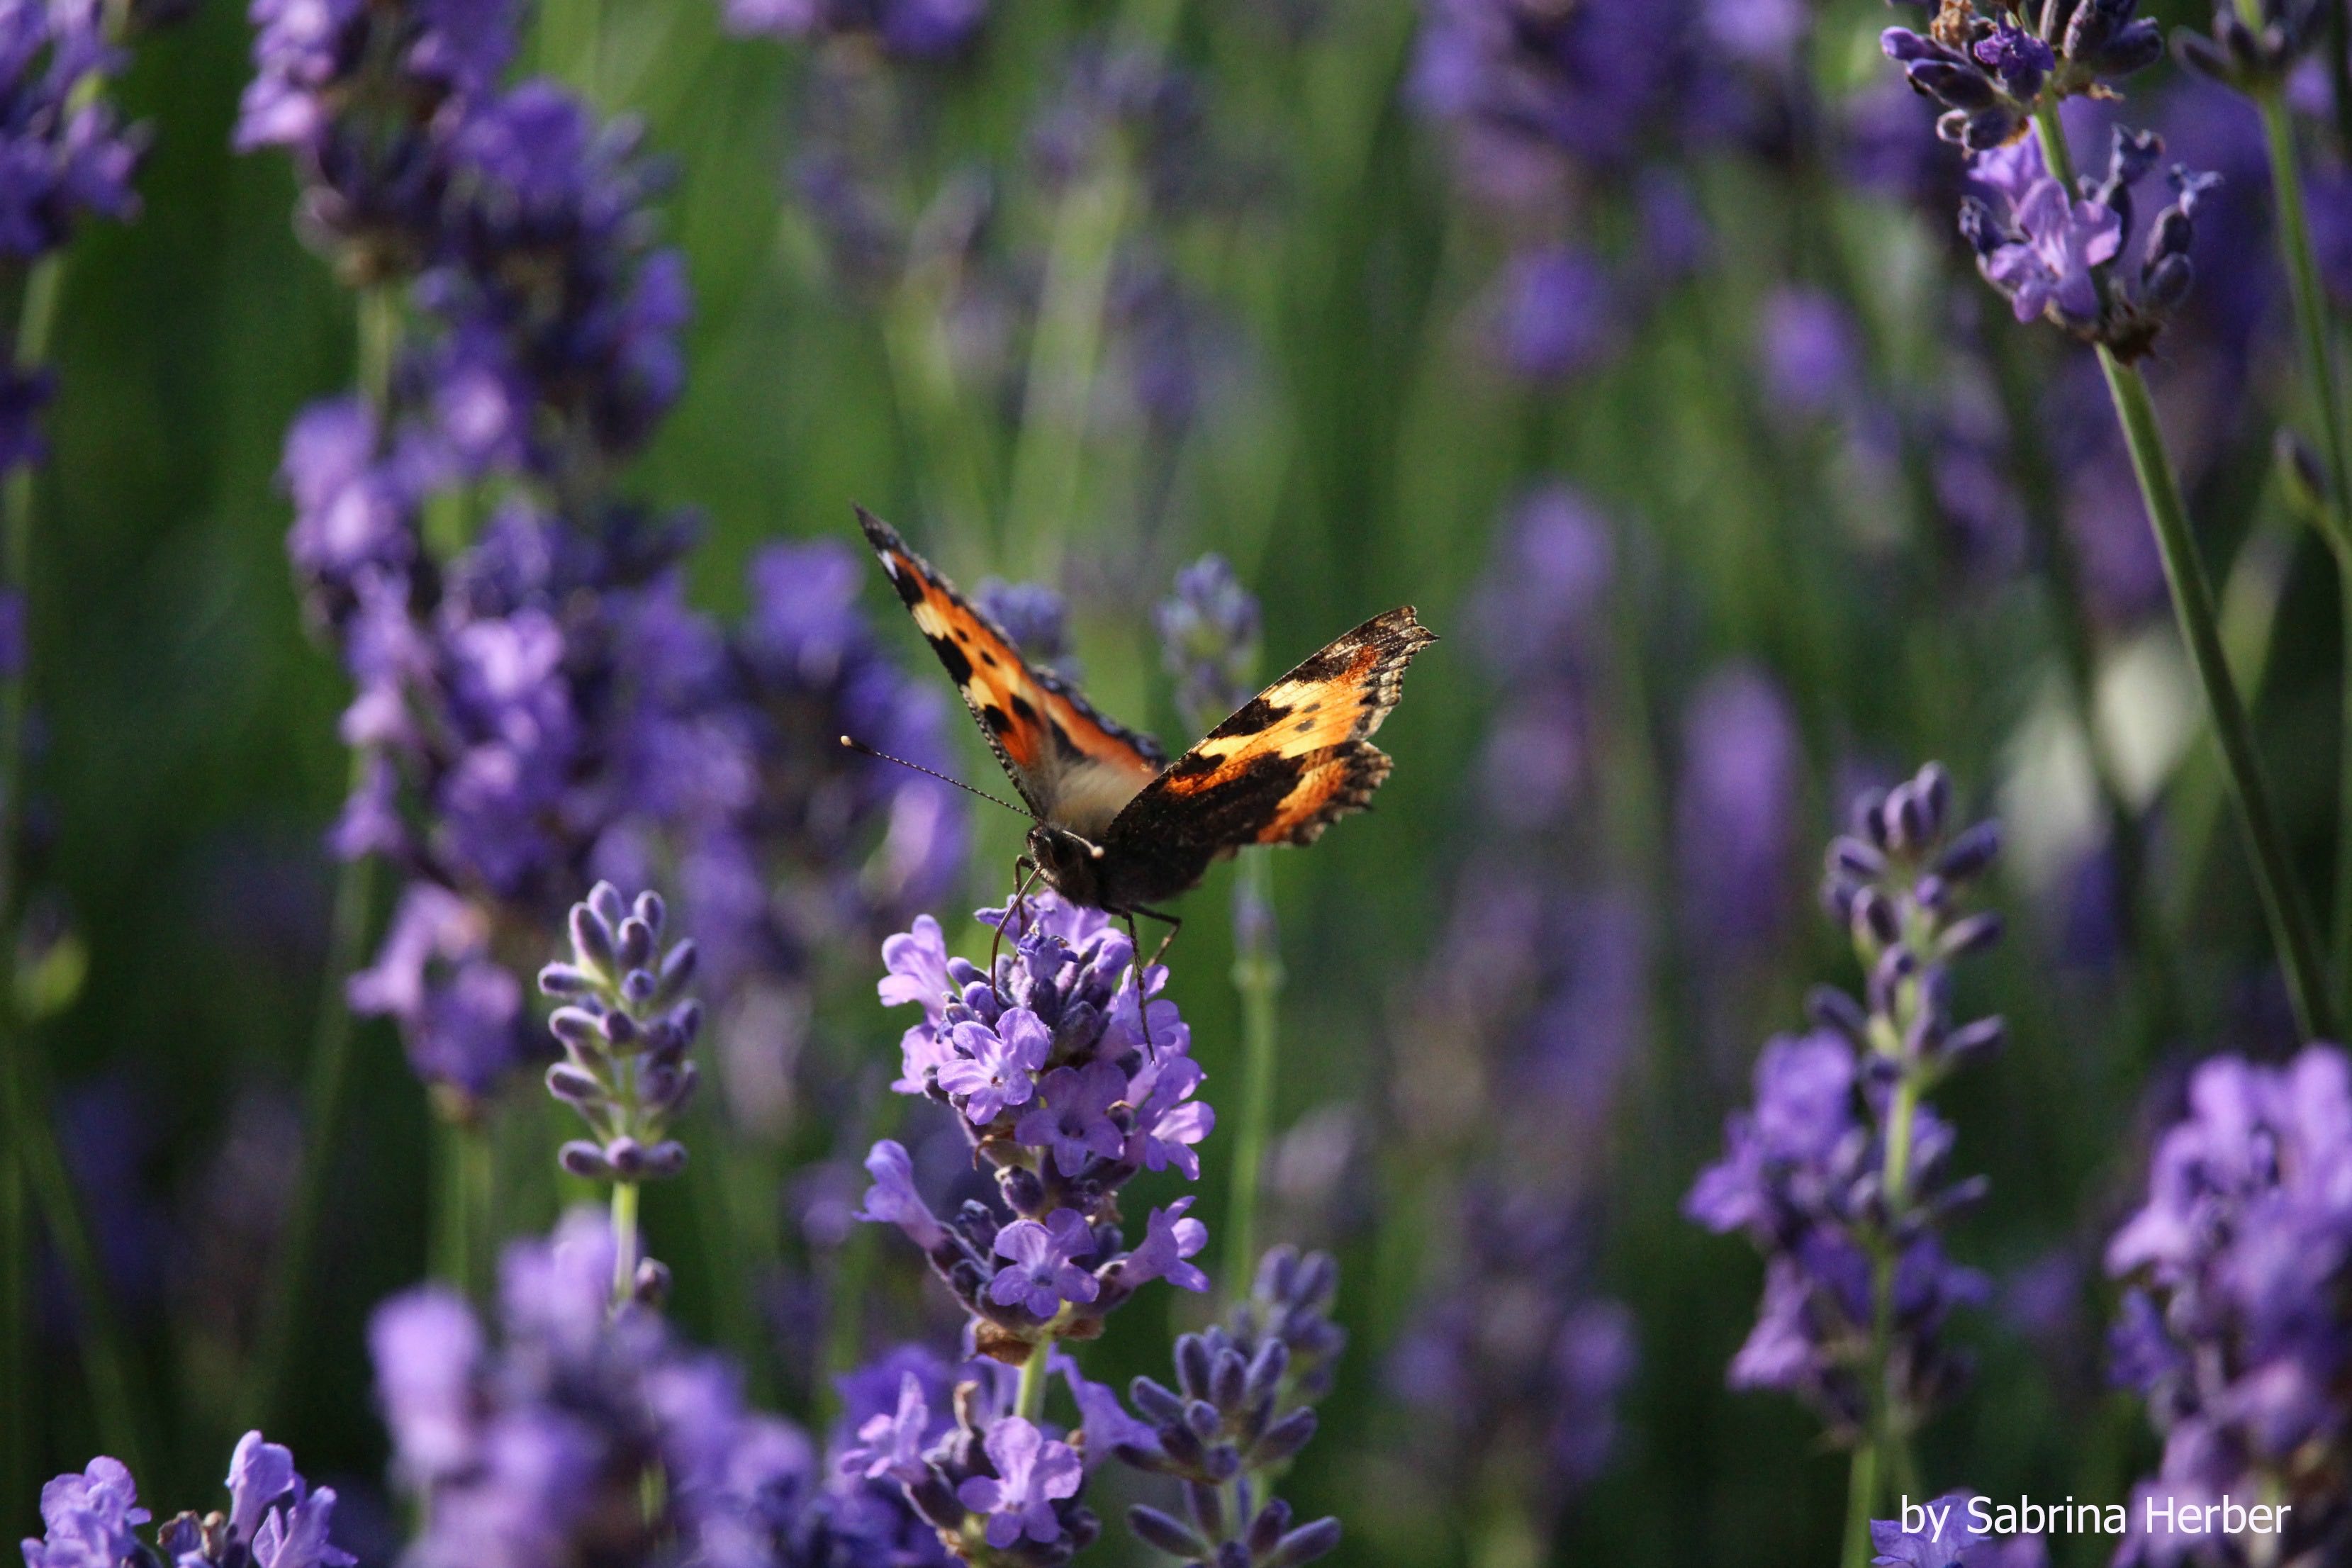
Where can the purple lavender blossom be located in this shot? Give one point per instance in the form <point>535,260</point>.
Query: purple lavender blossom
<point>1032,1473</point>
<point>87,1518</point>
<point>1736,805</point>
<point>533,1448</point>
<point>1837,1172</point>
<point>460,1012</point>
<point>913,28</point>
<point>1240,1412</point>
<point>1041,1271</point>
<point>1811,352</point>
<point>274,1520</point>
<point>1557,313</point>
<point>1046,1064</point>
<point>1954,1543</point>
<point>1209,640</point>
<point>2231,1330</point>
<point>626,1024</point>
<point>66,152</point>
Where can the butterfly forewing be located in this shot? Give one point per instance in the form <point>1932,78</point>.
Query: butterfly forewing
<point>1073,767</point>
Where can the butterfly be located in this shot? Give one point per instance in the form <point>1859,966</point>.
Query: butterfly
<point>1116,826</point>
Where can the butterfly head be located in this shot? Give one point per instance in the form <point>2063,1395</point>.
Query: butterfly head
<point>1068,862</point>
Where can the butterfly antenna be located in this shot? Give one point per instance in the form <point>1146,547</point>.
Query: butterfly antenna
<point>865,749</point>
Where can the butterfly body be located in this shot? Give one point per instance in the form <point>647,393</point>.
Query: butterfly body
<point>1118,826</point>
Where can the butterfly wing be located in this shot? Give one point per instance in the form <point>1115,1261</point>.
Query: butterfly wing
<point>1075,767</point>
<point>1297,757</point>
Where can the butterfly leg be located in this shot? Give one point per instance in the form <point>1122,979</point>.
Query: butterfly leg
<point>1025,871</point>
<point>1134,937</point>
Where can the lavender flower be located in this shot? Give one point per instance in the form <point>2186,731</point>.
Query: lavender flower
<point>2232,1328</point>
<point>1991,75</point>
<point>1240,1413</point>
<point>2048,248</point>
<point>533,1449</point>
<point>1836,1173</point>
<point>274,1520</point>
<point>65,156</point>
<point>87,1518</point>
<point>1046,1065</point>
<point>1209,640</point>
<point>1942,1534</point>
<point>626,1025</point>
<point>1033,1472</point>
<point>914,28</point>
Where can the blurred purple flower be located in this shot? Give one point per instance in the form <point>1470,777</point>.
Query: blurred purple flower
<point>1735,805</point>
<point>1555,313</point>
<point>1209,640</point>
<point>1811,352</point>
<point>2232,1331</point>
<point>915,28</point>
<point>89,1518</point>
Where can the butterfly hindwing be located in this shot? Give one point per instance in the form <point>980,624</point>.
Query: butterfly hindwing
<point>1294,758</point>
<point>1073,766</point>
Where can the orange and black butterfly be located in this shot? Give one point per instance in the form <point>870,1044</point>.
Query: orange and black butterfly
<point>1117,826</point>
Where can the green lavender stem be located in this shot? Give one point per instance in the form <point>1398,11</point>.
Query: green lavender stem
<point>331,1036</point>
<point>625,1241</point>
<point>1029,1404</point>
<point>2192,604</point>
<point>1257,976</point>
<point>2319,369</point>
<point>34,1160</point>
<point>461,1218</point>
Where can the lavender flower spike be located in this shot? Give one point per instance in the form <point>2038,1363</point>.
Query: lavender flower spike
<point>87,1518</point>
<point>625,1024</point>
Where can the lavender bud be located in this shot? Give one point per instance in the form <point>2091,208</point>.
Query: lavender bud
<point>627,1158</point>
<point>618,1028</point>
<point>676,972</point>
<point>687,1020</point>
<point>635,944</point>
<point>1851,858</point>
<point>1025,1190</point>
<point>652,910</point>
<point>2168,283</point>
<point>937,1501</point>
<point>1970,852</point>
<point>1266,1531</point>
<point>651,1287</point>
<point>1283,1439</point>
<point>1165,1533</point>
<point>1159,1405</point>
<point>664,1160</point>
<point>605,900</point>
<point>1831,1008</point>
<point>1207,1507</point>
<point>573,1026</point>
<point>583,1159</point>
<point>1304,1544</point>
<point>637,987</point>
<point>1875,917</point>
<point>1974,934</point>
<point>1979,1038</point>
<point>1192,1365</point>
<point>565,980</point>
<point>592,940</point>
<point>570,1084</point>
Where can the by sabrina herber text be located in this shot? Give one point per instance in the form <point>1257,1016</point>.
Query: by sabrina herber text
<point>2160,1516</point>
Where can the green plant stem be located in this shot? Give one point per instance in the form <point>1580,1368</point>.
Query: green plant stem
<point>625,1241</point>
<point>1030,1402</point>
<point>2328,409</point>
<point>1065,345</point>
<point>1257,977</point>
<point>34,1173</point>
<point>2192,603</point>
<point>462,1214</point>
<point>1861,1499</point>
<point>330,1033</point>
